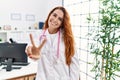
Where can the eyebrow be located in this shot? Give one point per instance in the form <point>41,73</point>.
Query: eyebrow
<point>61,18</point>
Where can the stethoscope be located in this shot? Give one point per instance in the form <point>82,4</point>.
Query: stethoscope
<point>58,44</point>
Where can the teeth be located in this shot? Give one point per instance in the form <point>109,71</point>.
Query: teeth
<point>53,24</point>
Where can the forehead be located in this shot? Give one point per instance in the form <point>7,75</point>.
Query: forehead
<point>58,12</point>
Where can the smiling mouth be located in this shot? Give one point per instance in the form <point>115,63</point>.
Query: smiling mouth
<point>54,24</point>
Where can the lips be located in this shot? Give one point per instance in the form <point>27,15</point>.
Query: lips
<point>53,23</point>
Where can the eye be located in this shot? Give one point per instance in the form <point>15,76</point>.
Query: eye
<point>61,19</point>
<point>55,15</point>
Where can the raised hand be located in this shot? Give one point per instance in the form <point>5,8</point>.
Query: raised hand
<point>33,51</point>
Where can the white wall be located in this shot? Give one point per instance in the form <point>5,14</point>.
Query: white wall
<point>14,12</point>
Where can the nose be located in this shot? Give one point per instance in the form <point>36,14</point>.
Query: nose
<point>55,19</point>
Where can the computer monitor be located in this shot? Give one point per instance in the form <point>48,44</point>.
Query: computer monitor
<point>12,53</point>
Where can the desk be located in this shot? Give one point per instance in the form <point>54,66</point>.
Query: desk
<point>25,73</point>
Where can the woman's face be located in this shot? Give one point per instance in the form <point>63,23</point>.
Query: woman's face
<point>55,20</point>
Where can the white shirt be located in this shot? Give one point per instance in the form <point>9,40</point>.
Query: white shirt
<point>52,68</point>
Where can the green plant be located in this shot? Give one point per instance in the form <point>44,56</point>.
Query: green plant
<point>107,41</point>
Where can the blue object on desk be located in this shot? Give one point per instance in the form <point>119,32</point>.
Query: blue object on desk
<point>41,25</point>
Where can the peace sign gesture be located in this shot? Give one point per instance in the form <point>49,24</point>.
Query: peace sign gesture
<point>33,51</point>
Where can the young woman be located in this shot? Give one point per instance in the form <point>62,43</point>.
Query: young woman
<point>56,54</point>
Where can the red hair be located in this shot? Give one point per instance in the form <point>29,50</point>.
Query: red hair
<point>67,34</point>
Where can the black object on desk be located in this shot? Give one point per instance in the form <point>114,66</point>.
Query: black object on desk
<point>13,53</point>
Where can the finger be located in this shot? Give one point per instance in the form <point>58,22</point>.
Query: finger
<point>31,39</point>
<point>34,57</point>
<point>28,50</point>
<point>41,45</point>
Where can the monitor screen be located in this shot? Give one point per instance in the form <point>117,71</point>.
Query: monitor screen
<point>15,52</point>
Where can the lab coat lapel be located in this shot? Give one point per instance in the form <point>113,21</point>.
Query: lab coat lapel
<point>48,37</point>
<point>53,43</point>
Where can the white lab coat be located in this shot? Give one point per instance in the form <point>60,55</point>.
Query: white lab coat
<point>52,68</point>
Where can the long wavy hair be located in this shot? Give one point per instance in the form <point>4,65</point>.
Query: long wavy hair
<point>67,33</point>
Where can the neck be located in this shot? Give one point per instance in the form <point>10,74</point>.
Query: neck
<point>52,31</point>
